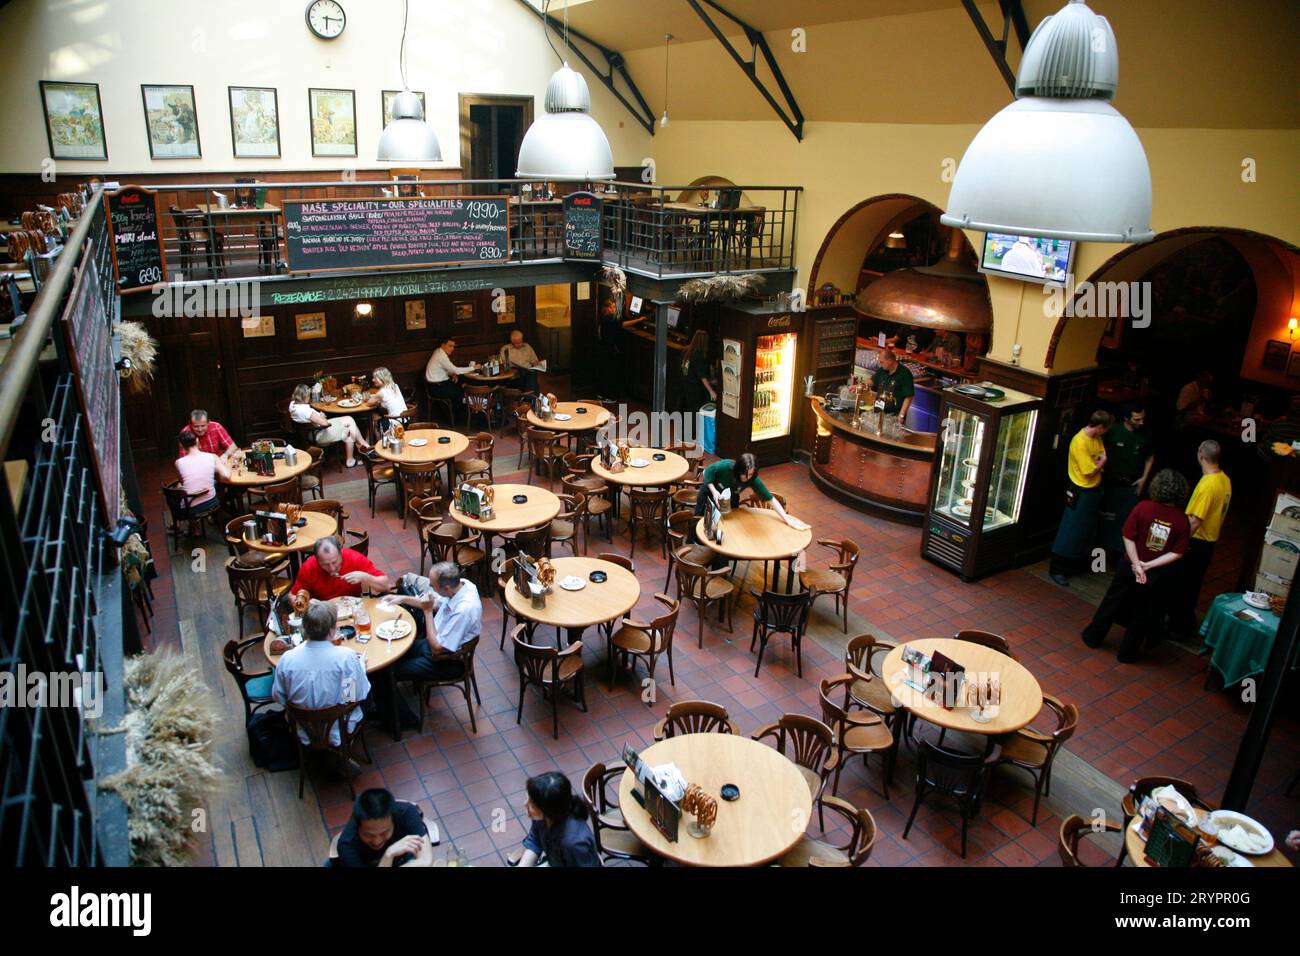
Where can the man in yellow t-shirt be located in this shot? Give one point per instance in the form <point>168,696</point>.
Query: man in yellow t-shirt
<point>1206,510</point>
<point>1084,467</point>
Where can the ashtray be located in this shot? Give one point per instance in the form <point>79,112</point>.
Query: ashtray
<point>581,409</point>
<point>300,523</point>
<point>444,440</point>
<point>519,499</point>
<point>659,456</point>
<point>730,792</point>
<point>347,632</point>
<point>597,577</point>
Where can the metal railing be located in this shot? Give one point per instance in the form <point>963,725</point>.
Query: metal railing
<point>655,230</point>
<point>52,552</point>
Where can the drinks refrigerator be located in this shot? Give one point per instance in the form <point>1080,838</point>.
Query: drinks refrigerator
<point>977,483</point>
<point>759,386</point>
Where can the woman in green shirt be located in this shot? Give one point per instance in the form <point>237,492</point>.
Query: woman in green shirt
<point>696,386</point>
<point>735,476</point>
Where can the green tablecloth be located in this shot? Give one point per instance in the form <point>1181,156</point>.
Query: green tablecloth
<point>1237,648</point>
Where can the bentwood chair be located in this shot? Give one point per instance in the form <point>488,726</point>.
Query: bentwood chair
<point>545,453</point>
<point>987,639</point>
<point>480,400</point>
<point>378,473</point>
<point>614,838</point>
<point>598,502</point>
<point>807,743</point>
<point>862,658</point>
<point>855,851</point>
<point>777,613</point>
<point>254,686</point>
<point>458,544</point>
<point>704,588</point>
<point>279,493</point>
<point>627,565</point>
<point>1073,831</point>
<point>695,717</point>
<point>679,536</point>
<point>479,464</point>
<point>856,731</point>
<point>1140,789</point>
<point>180,506</point>
<point>835,580</point>
<point>312,481</point>
<point>1035,751</point>
<point>648,514</point>
<point>463,678</point>
<point>334,509</point>
<point>430,512</point>
<point>567,525</point>
<point>319,726</point>
<point>256,588</point>
<point>417,481</point>
<point>951,774</point>
<point>551,670</point>
<point>633,639</point>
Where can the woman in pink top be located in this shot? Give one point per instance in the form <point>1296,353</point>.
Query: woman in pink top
<point>199,471</point>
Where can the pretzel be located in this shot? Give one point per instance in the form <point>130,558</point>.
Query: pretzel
<point>299,600</point>
<point>701,805</point>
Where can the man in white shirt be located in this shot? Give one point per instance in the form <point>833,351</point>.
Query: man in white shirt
<point>441,373</point>
<point>318,674</point>
<point>452,614</point>
<point>1023,258</point>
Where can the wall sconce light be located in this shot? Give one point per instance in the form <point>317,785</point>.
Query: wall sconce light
<point>1291,327</point>
<point>363,310</point>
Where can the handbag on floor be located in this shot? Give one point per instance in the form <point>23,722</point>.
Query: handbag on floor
<point>270,741</point>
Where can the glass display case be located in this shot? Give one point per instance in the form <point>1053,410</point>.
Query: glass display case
<point>979,478</point>
<point>774,361</point>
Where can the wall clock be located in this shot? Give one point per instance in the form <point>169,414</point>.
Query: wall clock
<point>326,18</point>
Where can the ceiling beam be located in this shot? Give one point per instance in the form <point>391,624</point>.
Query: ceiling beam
<point>789,112</point>
<point>1013,15</point>
<point>614,63</point>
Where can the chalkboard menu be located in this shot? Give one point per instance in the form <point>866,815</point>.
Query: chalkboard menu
<point>322,236</point>
<point>137,241</point>
<point>582,233</point>
<point>90,351</point>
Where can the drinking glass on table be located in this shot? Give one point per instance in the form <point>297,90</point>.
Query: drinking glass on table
<point>363,620</point>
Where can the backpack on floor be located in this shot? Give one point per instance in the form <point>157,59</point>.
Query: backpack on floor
<point>270,741</point>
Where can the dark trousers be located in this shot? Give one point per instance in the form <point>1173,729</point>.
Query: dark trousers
<point>527,380</point>
<point>1187,587</point>
<point>446,390</point>
<point>1144,606</point>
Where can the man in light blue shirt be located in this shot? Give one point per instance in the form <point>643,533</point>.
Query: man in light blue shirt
<point>453,614</point>
<point>319,674</point>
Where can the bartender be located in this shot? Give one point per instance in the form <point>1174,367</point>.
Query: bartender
<point>893,382</point>
<point>735,476</point>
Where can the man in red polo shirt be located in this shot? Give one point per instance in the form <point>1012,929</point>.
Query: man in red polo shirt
<point>335,571</point>
<point>212,437</point>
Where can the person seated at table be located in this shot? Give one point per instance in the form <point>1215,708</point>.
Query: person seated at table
<point>519,354</point>
<point>1156,535</point>
<point>441,374</point>
<point>383,831</point>
<point>213,439</point>
<point>328,430</point>
<point>560,834</point>
<point>735,476</point>
<point>387,396</point>
<point>334,571</point>
<point>199,471</point>
<point>318,673</point>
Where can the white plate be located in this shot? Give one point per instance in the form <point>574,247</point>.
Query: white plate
<point>393,630</point>
<point>572,583</point>
<point>1260,600</point>
<point>350,403</point>
<point>563,418</point>
<point>639,462</point>
<point>1227,819</point>
<point>1231,857</point>
<point>418,442</point>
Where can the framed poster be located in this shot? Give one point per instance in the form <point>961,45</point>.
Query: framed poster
<point>462,312</point>
<point>387,105</point>
<point>506,315</point>
<point>1293,366</point>
<point>415,318</point>
<point>258,326</point>
<point>254,121</point>
<point>74,120</point>
<point>333,122</point>
<point>732,351</point>
<point>1275,354</point>
<point>310,325</point>
<point>171,121</point>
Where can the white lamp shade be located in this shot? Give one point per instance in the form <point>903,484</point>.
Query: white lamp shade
<point>569,147</point>
<point>408,138</point>
<point>1061,168</point>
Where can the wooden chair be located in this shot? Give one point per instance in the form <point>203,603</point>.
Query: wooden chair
<point>279,493</point>
<point>566,525</point>
<point>519,413</point>
<point>835,580</point>
<point>234,536</point>
<point>312,481</point>
<point>544,453</point>
<point>430,512</point>
<point>680,524</point>
<point>254,686</point>
<point>333,508</point>
<point>750,499</point>
<point>379,472</point>
<point>648,512</point>
<point>195,243</point>
<point>987,639</point>
<point>551,670</point>
<point>1140,789</point>
<point>854,852</point>
<point>480,400</point>
<point>703,587</point>
<point>465,680</point>
<point>777,613</point>
<point>633,639</point>
<point>577,465</point>
<point>534,542</point>
<point>506,614</point>
<point>480,461</point>
<point>1035,751</point>
<point>1073,829</point>
<point>417,481</point>
<point>686,494</point>
<point>811,746</point>
<point>695,717</point>
<point>599,504</point>
<point>436,400</point>
<point>856,732</point>
<point>256,587</point>
<point>626,564</point>
<point>358,541</point>
<point>180,506</point>
<point>861,659</point>
<point>956,775</point>
<point>614,838</point>
<point>319,726</point>
<point>458,544</point>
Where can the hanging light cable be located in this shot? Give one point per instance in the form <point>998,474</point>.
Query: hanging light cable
<point>663,120</point>
<point>408,138</point>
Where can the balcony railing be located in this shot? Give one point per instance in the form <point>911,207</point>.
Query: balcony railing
<point>653,230</point>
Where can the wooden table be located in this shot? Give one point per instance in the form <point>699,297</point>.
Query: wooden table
<point>758,534</point>
<point>334,408</point>
<point>378,653</point>
<point>593,417</point>
<point>257,214</point>
<point>427,454</point>
<point>505,376</point>
<point>1137,847</point>
<point>575,611</point>
<point>541,507</point>
<point>767,820</point>
<point>319,525</point>
<point>674,467</point>
<point>1022,698</point>
<point>245,478</point>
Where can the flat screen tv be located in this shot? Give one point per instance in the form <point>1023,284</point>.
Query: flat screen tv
<point>1028,258</point>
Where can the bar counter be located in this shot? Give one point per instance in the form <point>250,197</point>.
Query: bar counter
<point>889,477</point>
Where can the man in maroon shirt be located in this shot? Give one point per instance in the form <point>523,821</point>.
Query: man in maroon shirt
<point>212,437</point>
<point>1156,535</point>
<point>335,571</point>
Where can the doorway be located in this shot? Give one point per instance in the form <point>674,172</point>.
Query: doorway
<point>491,132</point>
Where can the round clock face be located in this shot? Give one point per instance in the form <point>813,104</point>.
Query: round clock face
<point>326,18</point>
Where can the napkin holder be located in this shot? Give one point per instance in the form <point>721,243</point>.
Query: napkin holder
<point>476,501</point>
<point>273,528</point>
<point>1170,842</point>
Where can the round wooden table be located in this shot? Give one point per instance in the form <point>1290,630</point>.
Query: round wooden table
<point>1137,847</point>
<point>334,408</point>
<point>758,534</point>
<point>319,525</point>
<point>575,611</point>
<point>251,479</point>
<point>428,453</point>
<point>673,468</point>
<point>541,507</point>
<point>1022,698</point>
<point>594,416</point>
<point>505,376</point>
<point>763,824</point>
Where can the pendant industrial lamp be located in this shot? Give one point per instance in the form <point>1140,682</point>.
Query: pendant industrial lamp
<point>565,144</point>
<point>408,138</point>
<point>663,120</point>
<point>1060,161</point>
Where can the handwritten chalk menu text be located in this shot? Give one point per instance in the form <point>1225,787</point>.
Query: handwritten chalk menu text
<point>582,233</point>
<point>90,350</point>
<point>137,242</point>
<point>321,236</point>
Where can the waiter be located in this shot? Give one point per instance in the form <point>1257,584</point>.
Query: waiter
<point>893,383</point>
<point>1130,454</point>
<point>1083,492</point>
<point>1205,511</point>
